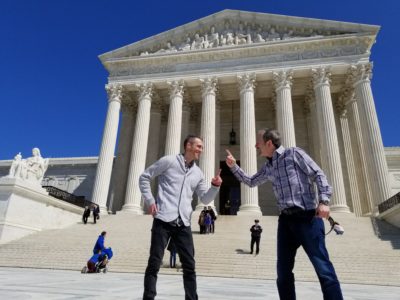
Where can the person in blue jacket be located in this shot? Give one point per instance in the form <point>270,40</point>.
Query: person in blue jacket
<point>99,246</point>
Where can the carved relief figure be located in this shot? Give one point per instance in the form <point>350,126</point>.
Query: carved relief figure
<point>287,35</point>
<point>214,38</point>
<point>273,35</point>
<point>242,37</point>
<point>185,45</point>
<point>169,48</point>
<point>258,35</point>
<point>197,42</point>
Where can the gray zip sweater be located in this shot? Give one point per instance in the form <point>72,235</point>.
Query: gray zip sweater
<point>176,185</point>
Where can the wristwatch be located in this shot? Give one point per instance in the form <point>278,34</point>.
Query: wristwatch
<point>324,202</point>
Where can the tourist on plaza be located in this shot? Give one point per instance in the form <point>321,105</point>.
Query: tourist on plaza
<point>256,231</point>
<point>96,212</point>
<point>207,222</point>
<point>86,214</point>
<point>213,218</point>
<point>178,179</point>
<point>202,218</point>
<point>172,253</point>
<point>99,246</point>
<point>293,173</point>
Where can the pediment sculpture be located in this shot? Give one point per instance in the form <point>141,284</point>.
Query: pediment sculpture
<point>31,169</point>
<point>232,35</point>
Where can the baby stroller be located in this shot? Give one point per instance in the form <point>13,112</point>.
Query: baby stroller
<point>98,262</point>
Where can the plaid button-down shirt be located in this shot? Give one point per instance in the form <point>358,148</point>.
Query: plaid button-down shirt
<point>293,174</point>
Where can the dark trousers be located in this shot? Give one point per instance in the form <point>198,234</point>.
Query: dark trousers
<point>85,218</point>
<point>256,240</point>
<point>307,231</point>
<point>183,240</point>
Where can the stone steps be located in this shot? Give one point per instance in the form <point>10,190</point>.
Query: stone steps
<point>359,256</point>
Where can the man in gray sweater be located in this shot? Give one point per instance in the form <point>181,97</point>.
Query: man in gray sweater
<point>178,178</point>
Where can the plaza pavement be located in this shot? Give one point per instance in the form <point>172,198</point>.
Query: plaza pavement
<point>21,283</point>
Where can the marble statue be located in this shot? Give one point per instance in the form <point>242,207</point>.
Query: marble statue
<point>197,42</point>
<point>169,48</point>
<point>30,169</point>
<point>242,37</point>
<point>213,40</point>
<point>287,35</point>
<point>185,45</point>
<point>273,35</point>
<point>258,38</point>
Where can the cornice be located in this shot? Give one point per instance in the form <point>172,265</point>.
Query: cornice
<point>274,52</point>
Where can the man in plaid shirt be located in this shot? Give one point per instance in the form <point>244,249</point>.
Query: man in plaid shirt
<point>293,174</point>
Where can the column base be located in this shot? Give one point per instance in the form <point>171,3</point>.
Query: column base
<point>103,210</point>
<point>137,210</point>
<point>249,210</point>
<point>340,208</point>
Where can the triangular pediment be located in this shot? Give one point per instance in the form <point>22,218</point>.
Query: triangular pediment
<point>233,28</point>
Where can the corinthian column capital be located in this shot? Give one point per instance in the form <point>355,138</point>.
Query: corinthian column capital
<point>321,76</point>
<point>359,72</point>
<point>209,86</point>
<point>176,88</point>
<point>145,90</point>
<point>114,92</point>
<point>283,79</point>
<point>246,82</point>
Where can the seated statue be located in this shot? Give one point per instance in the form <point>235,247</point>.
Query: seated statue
<point>36,166</point>
<point>242,36</point>
<point>30,169</point>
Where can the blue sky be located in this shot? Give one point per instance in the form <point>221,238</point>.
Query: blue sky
<point>52,82</point>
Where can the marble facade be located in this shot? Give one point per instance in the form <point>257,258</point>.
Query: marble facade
<point>309,78</point>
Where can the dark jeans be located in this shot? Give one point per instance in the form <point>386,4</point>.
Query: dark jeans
<point>255,239</point>
<point>183,240</point>
<point>306,230</point>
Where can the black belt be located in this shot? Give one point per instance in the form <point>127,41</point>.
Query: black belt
<point>177,222</point>
<point>296,211</point>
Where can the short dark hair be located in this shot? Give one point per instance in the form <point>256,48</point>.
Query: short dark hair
<point>189,139</point>
<point>103,233</point>
<point>273,135</point>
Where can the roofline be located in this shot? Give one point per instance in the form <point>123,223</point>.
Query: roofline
<point>287,20</point>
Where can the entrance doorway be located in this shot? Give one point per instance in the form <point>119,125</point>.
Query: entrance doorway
<point>229,194</point>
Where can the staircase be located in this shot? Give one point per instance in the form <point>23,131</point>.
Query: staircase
<point>367,253</point>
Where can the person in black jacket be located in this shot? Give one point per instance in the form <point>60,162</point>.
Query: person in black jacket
<point>96,213</point>
<point>86,214</point>
<point>256,230</point>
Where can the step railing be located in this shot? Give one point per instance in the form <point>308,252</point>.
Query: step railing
<point>65,196</point>
<point>389,203</point>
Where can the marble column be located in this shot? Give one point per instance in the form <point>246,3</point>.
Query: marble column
<point>284,108</point>
<point>248,155</point>
<point>217,143</point>
<point>377,167</point>
<point>328,137</point>
<point>106,157</point>
<point>207,158</point>
<point>153,144</point>
<point>173,140</point>
<point>348,152</point>
<point>312,126</point>
<point>186,110</point>
<point>360,158</point>
<point>139,150</point>
<point>121,166</point>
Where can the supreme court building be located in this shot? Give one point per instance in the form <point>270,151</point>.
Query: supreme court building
<point>225,76</point>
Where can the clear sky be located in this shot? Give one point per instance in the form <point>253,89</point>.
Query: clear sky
<point>52,92</point>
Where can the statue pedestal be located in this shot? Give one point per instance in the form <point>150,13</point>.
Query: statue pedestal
<point>26,208</point>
